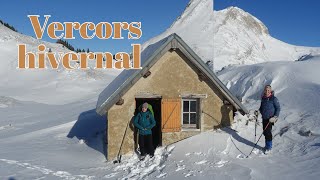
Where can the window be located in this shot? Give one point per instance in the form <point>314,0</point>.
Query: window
<point>190,113</point>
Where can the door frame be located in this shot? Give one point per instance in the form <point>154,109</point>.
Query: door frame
<point>157,99</point>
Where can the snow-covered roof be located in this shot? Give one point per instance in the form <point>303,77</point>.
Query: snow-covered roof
<point>127,78</point>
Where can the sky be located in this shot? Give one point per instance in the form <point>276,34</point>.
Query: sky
<point>292,21</point>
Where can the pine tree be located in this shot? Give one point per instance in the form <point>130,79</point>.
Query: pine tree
<point>8,26</point>
<point>66,44</point>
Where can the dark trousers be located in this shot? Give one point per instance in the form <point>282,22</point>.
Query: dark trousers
<point>146,145</point>
<point>267,132</point>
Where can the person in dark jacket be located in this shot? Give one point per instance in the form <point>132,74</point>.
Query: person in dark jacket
<point>144,121</point>
<point>269,109</point>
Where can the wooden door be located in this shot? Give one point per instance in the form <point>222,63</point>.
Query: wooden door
<point>171,115</point>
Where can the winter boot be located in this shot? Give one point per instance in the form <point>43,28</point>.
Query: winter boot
<point>268,147</point>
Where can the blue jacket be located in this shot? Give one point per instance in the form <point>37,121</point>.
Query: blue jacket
<point>269,107</point>
<point>144,121</point>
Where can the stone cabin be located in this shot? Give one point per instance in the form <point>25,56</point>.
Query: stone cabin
<point>186,96</point>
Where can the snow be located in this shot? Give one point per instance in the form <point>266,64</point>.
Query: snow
<point>237,36</point>
<point>137,169</point>
<point>49,128</point>
<point>47,86</point>
<point>66,141</point>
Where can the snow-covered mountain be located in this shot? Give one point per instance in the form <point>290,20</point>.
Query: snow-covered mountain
<point>237,36</point>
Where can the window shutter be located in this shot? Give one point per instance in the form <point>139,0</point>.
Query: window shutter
<point>171,115</point>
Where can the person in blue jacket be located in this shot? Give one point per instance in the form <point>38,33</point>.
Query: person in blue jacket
<point>144,121</point>
<point>269,109</point>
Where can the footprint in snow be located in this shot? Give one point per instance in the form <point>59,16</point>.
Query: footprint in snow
<point>256,151</point>
<point>180,168</point>
<point>220,164</point>
<point>160,168</point>
<point>199,153</point>
<point>201,162</point>
<point>111,175</point>
<point>6,127</point>
<point>241,156</point>
<point>189,174</point>
<point>162,175</point>
<point>170,149</point>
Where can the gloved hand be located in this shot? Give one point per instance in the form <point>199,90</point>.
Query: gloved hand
<point>274,119</point>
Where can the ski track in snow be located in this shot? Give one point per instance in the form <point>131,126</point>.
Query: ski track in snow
<point>45,171</point>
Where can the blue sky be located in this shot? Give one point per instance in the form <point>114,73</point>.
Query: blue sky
<point>292,21</point>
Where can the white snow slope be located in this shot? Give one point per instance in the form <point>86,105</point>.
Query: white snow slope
<point>46,85</point>
<point>49,128</point>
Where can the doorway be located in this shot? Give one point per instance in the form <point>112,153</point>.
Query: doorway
<point>156,106</point>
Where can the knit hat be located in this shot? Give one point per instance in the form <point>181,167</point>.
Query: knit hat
<point>145,105</point>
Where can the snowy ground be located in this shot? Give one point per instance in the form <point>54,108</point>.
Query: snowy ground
<point>41,141</point>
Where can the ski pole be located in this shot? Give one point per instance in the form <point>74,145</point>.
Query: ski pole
<point>258,139</point>
<point>255,131</point>
<point>255,126</point>
<point>118,160</point>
